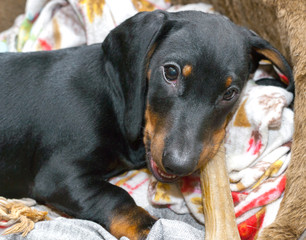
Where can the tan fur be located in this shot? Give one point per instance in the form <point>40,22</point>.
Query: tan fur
<point>273,56</point>
<point>210,149</point>
<point>155,132</point>
<point>282,23</point>
<point>187,70</point>
<point>228,82</point>
<point>127,223</point>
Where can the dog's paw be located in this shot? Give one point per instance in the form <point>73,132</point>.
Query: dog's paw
<point>134,223</point>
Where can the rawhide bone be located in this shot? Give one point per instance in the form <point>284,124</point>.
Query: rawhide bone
<point>220,221</point>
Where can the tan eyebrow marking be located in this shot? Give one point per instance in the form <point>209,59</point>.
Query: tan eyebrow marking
<point>187,70</point>
<point>228,81</point>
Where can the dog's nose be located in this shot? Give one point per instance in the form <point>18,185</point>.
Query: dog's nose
<point>177,163</point>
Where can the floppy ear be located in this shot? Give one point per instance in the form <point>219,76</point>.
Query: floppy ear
<point>126,51</point>
<point>261,49</point>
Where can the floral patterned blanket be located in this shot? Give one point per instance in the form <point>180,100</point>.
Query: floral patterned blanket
<point>258,138</point>
<point>258,143</point>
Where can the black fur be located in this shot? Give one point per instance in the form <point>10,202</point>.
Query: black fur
<point>71,119</point>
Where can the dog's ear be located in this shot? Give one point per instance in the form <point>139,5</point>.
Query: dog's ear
<point>126,51</point>
<point>261,49</point>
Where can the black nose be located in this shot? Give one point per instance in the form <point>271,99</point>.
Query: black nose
<point>179,163</point>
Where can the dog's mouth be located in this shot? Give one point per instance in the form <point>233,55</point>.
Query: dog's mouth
<point>158,173</point>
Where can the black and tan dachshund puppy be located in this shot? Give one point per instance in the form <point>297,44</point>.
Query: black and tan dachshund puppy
<point>158,91</point>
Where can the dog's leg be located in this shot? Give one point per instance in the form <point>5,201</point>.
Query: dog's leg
<point>131,221</point>
<point>108,205</point>
<point>89,196</point>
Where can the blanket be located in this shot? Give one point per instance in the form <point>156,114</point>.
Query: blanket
<point>258,138</point>
<point>258,142</point>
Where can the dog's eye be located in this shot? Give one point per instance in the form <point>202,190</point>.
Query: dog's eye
<point>230,94</point>
<point>171,72</point>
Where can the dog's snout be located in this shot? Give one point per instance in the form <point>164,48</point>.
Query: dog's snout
<point>178,163</point>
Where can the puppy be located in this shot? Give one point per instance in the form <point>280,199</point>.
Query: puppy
<point>158,90</point>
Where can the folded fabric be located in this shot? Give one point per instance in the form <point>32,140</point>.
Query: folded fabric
<point>55,24</point>
<point>258,138</point>
<point>256,164</point>
<point>258,143</point>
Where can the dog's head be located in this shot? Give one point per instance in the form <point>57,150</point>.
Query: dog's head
<point>184,72</point>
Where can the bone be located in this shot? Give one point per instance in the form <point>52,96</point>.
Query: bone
<point>220,221</point>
